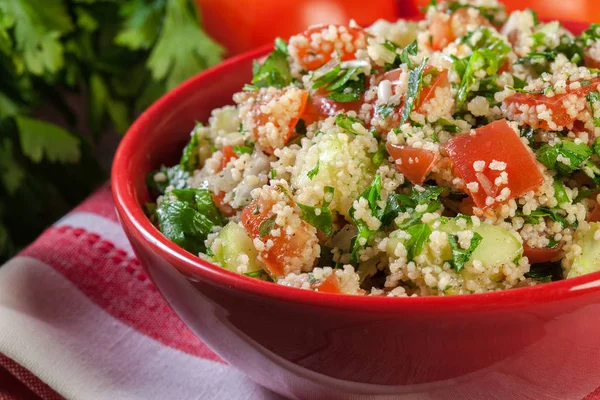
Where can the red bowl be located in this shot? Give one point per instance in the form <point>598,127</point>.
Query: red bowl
<point>533,342</point>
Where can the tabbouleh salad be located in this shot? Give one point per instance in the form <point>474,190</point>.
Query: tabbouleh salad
<point>458,154</point>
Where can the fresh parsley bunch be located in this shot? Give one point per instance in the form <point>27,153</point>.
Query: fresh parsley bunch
<point>69,70</point>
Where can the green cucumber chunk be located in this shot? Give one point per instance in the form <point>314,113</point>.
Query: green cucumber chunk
<point>589,259</point>
<point>234,241</point>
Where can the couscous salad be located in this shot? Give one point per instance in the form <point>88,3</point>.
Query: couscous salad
<point>458,154</point>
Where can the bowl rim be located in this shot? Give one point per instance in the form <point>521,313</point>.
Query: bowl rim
<point>131,214</point>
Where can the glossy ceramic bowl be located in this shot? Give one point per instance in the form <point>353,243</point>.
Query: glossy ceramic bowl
<point>533,342</point>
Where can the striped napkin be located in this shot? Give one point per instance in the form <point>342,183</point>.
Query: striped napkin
<point>79,319</point>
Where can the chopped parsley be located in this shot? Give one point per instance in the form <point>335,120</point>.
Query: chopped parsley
<point>342,85</point>
<point>447,125</point>
<point>384,110</point>
<point>560,192</point>
<point>187,216</point>
<point>313,172</point>
<point>242,149</point>
<point>415,84</point>
<point>275,71</point>
<point>320,217</point>
<point>419,234</point>
<point>175,176</point>
<point>461,256</point>
<point>564,157</point>
<point>265,227</point>
<point>593,97</point>
<point>347,122</point>
<point>534,57</point>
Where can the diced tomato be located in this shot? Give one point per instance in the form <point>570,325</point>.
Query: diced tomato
<point>494,142</point>
<point>319,106</point>
<point>439,79</point>
<point>414,163</point>
<point>440,29</point>
<point>560,116</point>
<point>594,215</point>
<point>311,54</point>
<point>446,29</point>
<point>224,207</point>
<point>218,198</point>
<point>260,119</point>
<point>428,92</point>
<point>228,155</point>
<point>540,255</point>
<point>589,60</point>
<point>284,246</point>
<point>328,285</point>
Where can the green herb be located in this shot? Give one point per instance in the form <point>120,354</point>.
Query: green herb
<point>189,219</point>
<point>349,87</point>
<point>545,272</point>
<point>313,172</point>
<point>534,57</point>
<point>575,154</point>
<point>593,97</point>
<point>461,256</point>
<point>175,176</point>
<point>380,155</point>
<point>536,216</point>
<point>321,219</point>
<point>384,110</point>
<point>419,234</point>
<point>273,173</point>
<point>397,203</point>
<point>275,71</point>
<point>265,227</point>
<point>189,160</point>
<point>596,147</point>
<point>327,77</point>
<point>346,122</point>
<point>527,132</point>
<point>432,4</point>
<point>243,149</point>
<point>584,193</point>
<point>415,83</point>
<point>115,58</point>
<point>560,193</point>
<point>519,83</point>
<point>447,125</point>
<point>260,274</point>
<point>372,194</point>
<point>412,49</point>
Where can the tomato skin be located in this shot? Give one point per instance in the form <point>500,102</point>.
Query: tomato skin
<point>588,60</point>
<point>495,141</point>
<point>228,155</point>
<point>540,255</point>
<point>428,93</point>
<point>560,116</point>
<point>594,215</point>
<point>329,285</point>
<point>310,57</point>
<point>414,163</point>
<point>440,29</point>
<point>319,106</point>
<point>284,246</point>
<point>256,118</point>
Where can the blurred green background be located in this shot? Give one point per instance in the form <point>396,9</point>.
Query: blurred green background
<point>73,74</point>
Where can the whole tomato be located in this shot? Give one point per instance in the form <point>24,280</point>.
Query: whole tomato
<point>244,25</point>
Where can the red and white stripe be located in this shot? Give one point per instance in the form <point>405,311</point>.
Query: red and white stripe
<point>79,319</point>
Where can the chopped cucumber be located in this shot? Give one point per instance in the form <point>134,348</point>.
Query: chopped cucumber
<point>234,241</point>
<point>498,247</point>
<point>589,259</point>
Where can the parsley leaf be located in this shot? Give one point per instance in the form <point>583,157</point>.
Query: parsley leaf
<point>534,57</point>
<point>141,24</point>
<point>593,97</point>
<point>243,149</point>
<point>346,122</point>
<point>447,125</point>
<point>412,49</point>
<point>275,71</point>
<point>419,234</point>
<point>182,48</point>
<point>372,194</point>
<point>313,172</point>
<point>321,219</point>
<point>460,256</point>
<point>41,140</point>
<point>189,219</point>
<point>415,84</point>
<point>174,176</point>
<point>12,173</point>
<point>189,160</point>
<point>560,193</point>
<point>265,227</point>
<point>571,156</point>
